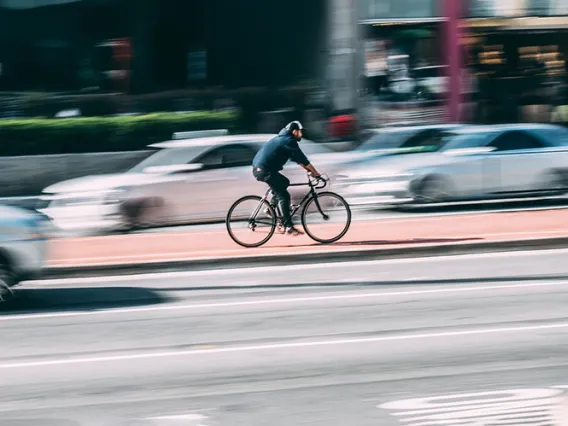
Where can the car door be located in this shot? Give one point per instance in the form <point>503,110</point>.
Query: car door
<point>519,158</point>
<point>207,194</point>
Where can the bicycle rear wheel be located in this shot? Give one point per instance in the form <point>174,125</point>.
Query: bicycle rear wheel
<point>250,221</point>
<point>326,218</point>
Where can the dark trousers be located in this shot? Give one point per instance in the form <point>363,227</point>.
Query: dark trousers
<point>279,185</point>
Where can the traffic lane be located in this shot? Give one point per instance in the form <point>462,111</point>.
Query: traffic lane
<point>259,315</point>
<point>145,248</point>
<point>346,380</point>
<point>219,318</point>
<point>362,403</point>
<point>270,381</point>
<point>458,269</point>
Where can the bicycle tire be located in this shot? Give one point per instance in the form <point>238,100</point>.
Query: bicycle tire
<point>265,206</point>
<point>310,232</point>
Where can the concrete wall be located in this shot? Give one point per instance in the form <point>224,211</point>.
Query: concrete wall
<point>28,175</point>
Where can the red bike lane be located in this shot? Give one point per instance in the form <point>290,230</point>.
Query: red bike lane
<point>150,247</point>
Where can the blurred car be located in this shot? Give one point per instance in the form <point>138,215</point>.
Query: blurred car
<point>431,81</point>
<point>397,139</point>
<point>466,163</point>
<point>23,246</point>
<point>184,181</point>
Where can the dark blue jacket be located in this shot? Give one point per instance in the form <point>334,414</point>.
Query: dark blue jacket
<point>276,152</point>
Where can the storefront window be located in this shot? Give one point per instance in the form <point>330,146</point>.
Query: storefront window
<point>517,8</point>
<point>399,9</point>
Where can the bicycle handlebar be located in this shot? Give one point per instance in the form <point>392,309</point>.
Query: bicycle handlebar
<point>318,180</point>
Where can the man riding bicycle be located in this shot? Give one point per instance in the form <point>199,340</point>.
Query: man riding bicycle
<point>270,160</point>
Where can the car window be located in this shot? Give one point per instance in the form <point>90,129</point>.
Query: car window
<point>237,156</point>
<point>423,139</point>
<point>516,141</point>
<point>449,141</point>
<point>167,157</point>
<point>211,160</point>
<point>552,135</point>
<point>227,156</point>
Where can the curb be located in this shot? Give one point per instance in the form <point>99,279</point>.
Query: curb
<point>418,251</point>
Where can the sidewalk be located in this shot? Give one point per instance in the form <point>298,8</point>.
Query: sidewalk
<point>363,235</point>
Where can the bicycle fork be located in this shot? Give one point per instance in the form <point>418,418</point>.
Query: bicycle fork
<point>316,200</point>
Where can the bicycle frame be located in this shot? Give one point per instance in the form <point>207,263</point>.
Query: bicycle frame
<point>311,193</point>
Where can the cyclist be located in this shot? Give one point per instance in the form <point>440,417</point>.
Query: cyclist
<point>270,160</point>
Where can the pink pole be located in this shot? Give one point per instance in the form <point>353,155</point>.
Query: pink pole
<point>453,58</point>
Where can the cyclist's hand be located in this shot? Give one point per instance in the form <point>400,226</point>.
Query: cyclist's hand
<point>316,177</point>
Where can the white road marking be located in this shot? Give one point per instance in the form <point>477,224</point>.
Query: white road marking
<point>297,268</point>
<point>190,419</point>
<point>275,346</point>
<point>284,300</point>
<point>511,407</point>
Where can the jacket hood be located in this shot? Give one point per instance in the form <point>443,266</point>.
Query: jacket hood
<point>285,132</point>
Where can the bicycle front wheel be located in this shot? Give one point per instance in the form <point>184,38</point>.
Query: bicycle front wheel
<point>251,221</point>
<point>326,218</point>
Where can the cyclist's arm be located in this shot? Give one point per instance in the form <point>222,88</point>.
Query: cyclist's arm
<point>311,169</point>
<point>297,155</point>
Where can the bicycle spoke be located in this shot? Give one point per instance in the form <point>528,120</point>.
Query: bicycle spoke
<point>326,219</point>
<point>251,223</point>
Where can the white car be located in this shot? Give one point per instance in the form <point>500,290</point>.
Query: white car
<point>24,239</point>
<point>184,181</point>
<point>467,163</point>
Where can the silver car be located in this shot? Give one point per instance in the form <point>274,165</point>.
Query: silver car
<point>467,163</point>
<point>184,181</point>
<point>23,246</point>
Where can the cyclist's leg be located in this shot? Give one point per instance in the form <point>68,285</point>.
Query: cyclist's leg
<point>279,185</point>
<point>263,176</point>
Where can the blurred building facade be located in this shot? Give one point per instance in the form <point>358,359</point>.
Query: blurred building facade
<point>513,54</point>
<point>384,57</point>
<point>152,45</point>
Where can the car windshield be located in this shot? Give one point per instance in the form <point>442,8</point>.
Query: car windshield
<point>383,140</point>
<point>413,143</point>
<point>168,157</point>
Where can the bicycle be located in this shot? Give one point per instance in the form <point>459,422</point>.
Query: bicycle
<point>261,217</point>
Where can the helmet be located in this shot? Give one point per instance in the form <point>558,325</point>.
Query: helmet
<point>295,125</point>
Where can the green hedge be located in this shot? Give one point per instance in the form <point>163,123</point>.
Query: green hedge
<point>103,134</point>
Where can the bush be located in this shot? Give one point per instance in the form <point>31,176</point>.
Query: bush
<point>102,134</point>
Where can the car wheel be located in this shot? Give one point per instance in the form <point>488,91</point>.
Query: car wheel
<point>556,182</point>
<point>7,281</point>
<point>433,189</point>
<point>142,214</point>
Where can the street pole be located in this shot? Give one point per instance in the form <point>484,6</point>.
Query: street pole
<point>453,58</point>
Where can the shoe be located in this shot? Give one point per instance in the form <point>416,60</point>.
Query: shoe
<point>293,232</point>
<point>280,229</point>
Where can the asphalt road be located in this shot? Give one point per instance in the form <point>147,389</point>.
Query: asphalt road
<point>478,337</point>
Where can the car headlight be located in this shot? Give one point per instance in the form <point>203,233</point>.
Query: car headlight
<point>74,199</point>
<point>115,196</point>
